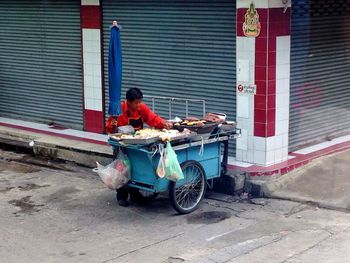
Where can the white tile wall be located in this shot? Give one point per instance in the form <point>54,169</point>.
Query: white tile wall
<point>278,155</point>
<point>91,34</point>
<point>243,69</point>
<point>270,157</point>
<point>283,43</point>
<point>285,140</point>
<point>282,113</point>
<point>90,2</point>
<point>270,144</point>
<point>242,142</point>
<point>279,129</point>
<point>243,106</point>
<point>96,71</point>
<point>249,44</point>
<point>250,142</point>
<point>260,157</point>
<point>282,86</point>
<point>259,143</point>
<point>282,100</point>
<point>283,72</point>
<point>249,156</point>
<point>92,68</point>
<point>257,3</point>
<point>285,153</point>
<point>239,155</point>
<point>282,57</point>
<point>278,141</point>
<point>278,3</point>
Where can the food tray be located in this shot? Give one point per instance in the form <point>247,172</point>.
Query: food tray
<point>207,128</point>
<point>227,127</point>
<point>141,141</point>
<point>183,136</point>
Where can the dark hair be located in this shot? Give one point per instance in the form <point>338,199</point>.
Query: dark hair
<point>134,94</point>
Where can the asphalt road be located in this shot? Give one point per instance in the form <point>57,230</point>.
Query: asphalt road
<point>50,215</point>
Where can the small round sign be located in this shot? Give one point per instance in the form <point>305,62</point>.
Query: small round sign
<point>240,88</point>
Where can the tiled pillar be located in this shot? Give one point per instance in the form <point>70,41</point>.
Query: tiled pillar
<point>263,61</point>
<point>90,15</point>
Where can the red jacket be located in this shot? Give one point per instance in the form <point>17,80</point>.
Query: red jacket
<point>148,117</point>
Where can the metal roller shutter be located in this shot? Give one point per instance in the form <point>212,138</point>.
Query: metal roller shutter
<point>40,61</point>
<point>177,48</point>
<point>320,67</point>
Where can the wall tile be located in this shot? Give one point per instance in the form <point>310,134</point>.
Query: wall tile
<point>285,141</point>
<point>278,155</point>
<point>88,69</point>
<point>97,94</point>
<point>283,43</point>
<point>88,81</point>
<point>282,113</point>
<point>259,144</point>
<point>279,128</point>
<point>243,107</point>
<point>270,157</point>
<point>259,157</point>
<point>242,142</point>
<point>98,105</point>
<point>239,155</point>
<point>270,143</point>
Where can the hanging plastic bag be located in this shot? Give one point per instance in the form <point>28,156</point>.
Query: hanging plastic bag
<point>173,169</point>
<point>161,164</point>
<point>116,174</point>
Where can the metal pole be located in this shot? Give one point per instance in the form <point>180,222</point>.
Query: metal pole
<point>203,108</point>
<point>153,104</point>
<point>170,109</point>
<point>186,108</point>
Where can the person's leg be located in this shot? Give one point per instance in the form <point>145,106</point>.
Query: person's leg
<point>122,196</point>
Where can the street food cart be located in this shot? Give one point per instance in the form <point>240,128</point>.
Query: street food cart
<point>202,154</point>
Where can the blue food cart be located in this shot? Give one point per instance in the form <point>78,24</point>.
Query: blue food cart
<point>202,159</point>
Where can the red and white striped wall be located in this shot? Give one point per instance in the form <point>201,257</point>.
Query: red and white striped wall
<point>264,61</point>
<point>90,17</point>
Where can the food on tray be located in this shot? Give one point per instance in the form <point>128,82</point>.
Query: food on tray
<point>188,122</point>
<point>145,134</point>
<point>215,117</point>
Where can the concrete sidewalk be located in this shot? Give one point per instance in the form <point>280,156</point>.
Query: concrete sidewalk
<point>324,182</point>
<point>55,147</point>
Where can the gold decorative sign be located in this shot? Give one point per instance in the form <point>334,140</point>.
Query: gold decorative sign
<point>251,25</point>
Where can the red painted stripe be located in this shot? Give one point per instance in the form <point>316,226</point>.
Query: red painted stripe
<point>70,137</point>
<point>94,121</point>
<point>90,16</point>
<point>274,22</point>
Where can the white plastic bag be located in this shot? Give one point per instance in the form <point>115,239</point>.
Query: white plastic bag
<point>168,165</point>
<point>116,174</point>
<point>161,165</point>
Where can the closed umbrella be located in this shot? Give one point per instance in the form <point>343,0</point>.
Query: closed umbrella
<point>115,71</point>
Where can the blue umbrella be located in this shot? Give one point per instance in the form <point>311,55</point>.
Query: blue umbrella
<point>115,71</point>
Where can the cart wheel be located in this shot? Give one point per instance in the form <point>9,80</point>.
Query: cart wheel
<point>142,196</point>
<point>186,194</point>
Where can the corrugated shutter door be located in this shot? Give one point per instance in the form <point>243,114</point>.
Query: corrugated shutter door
<point>40,61</point>
<point>320,71</point>
<point>177,48</point>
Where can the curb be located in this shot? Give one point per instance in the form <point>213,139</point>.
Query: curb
<point>82,153</point>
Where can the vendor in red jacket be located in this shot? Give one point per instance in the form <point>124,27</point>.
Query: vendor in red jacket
<point>135,113</point>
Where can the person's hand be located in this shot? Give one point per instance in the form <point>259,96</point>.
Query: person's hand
<point>168,125</point>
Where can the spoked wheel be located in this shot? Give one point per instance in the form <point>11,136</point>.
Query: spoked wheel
<point>142,196</point>
<point>186,194</point>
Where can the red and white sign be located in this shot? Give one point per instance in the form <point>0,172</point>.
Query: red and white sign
<point>245,88</point>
